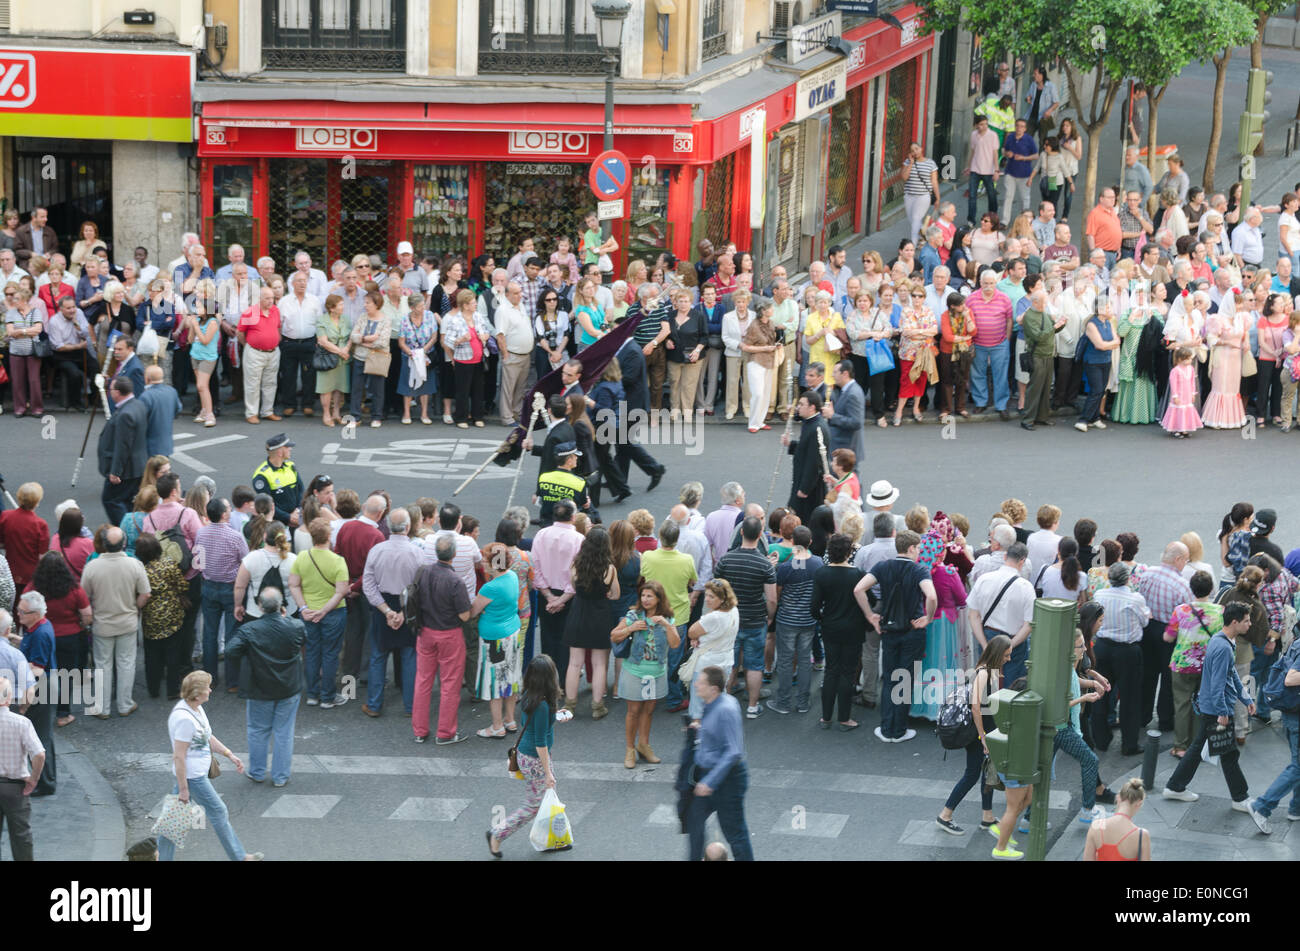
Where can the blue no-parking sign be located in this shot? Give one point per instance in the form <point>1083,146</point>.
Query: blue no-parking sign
<point>611,175</point>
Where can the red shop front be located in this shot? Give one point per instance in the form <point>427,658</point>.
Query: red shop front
<point>338,179</point>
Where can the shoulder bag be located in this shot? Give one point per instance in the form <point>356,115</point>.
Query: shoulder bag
<point>512,757</point>
<point>213,769</point>
<point>378,362</point>
<point>323,360</point>
<point>998,600</point>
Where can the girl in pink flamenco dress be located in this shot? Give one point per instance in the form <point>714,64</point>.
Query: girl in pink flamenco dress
<point>1181,418</point>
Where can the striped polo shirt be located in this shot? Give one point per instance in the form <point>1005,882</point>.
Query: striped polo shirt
<point>991,318</point>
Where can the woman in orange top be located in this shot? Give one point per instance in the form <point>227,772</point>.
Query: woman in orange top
<point>1113,839</point>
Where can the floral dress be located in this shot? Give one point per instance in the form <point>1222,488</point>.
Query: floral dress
<point>416,338</point>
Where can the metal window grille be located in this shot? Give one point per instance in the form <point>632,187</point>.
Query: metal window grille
<point>899,122</point>
<point>299,215</point>
<point>334,35</point>
<point>4,16</point>
<point>714,30</point>
<point>364,204</point>
<point>440,222</point>
<point>73,179</point>
<point>842,166</point>
<point>717,200</point>
<point>539,37</point>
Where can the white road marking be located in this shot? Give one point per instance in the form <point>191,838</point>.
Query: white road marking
<point>820,825</point>
<point>430,810</point>
<point>182,455</point>
<point>301,807</point>
<point>435,458</point>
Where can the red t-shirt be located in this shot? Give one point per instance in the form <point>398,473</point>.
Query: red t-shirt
<point>354,541</point>
<point>78,551</point>
<point>63,613</point>
<point>261,331</point>
<point>645,543</point>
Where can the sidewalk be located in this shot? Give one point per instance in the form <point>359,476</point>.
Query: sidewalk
<point>81,821</point>
<point>1207,830</point>
<point>1183,121</point>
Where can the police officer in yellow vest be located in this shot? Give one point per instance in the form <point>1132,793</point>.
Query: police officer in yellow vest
<point>562,483</point>
<point>278,478</point>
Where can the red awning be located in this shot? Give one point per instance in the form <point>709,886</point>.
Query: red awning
<point>666,119</point>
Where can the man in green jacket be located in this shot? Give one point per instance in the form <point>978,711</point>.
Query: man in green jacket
<point>1040,332</point>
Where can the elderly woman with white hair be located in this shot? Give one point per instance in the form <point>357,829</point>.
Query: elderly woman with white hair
<point>37,646</point>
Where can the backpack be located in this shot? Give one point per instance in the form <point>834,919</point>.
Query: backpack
<point>1275,693</point>
<point>957,728</point>
<point>411,602</point>
<point>271,578</point>
<point>176,547</point>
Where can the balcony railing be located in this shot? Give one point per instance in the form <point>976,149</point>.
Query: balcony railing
<point>714,28</point>
<point>364,35</point>
<point>539,37</point>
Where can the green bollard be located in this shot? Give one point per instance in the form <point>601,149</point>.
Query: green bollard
<point>1051,655</point>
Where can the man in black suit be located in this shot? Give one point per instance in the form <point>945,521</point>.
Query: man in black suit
<point>571,377</point>
<point>814,379</point>
<point>558,430</point>
<point>123,449</point>
<point>807,489</point>
<point>128,365</point>
<point>631,361</point>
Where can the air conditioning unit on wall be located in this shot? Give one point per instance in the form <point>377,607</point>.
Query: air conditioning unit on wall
<point>787,13</point>
<point>4,16</point>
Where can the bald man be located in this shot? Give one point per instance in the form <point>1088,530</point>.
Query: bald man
<point>164,406</point>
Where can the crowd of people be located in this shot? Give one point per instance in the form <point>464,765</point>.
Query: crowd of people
<point>288,591</point>
<point>1136,315</point>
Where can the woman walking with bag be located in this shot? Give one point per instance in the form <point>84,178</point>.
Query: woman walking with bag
<point>192,748</point>
<point>532,754</point>
<point>987,674</point>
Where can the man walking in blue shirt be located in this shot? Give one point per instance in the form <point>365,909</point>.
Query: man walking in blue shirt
<point>1021,154</point>
<point>720,766</point>
<point>1220,689</point>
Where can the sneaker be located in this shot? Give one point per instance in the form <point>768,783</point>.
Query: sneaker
<point>1089,816</point>
<point>1293,816</point>
<point>1098,425</point>
<point>421,739</point>
<point>1081,427</point>
<point>375,424</point>
<point>819,665</point>
<point>1106,797</point>
<point>806,709</point>
<point>997,834</point>
<point>1261,820</point>
<point>777,708</point>
<point>752,713</point>
<point>910,734</point>
<point>1182,795</point>
<point>947,825</point>
<point>1023,825</point>
<point>281,784</point>
<point>338,701</point>
<point>458,738</point>
<point>1010,855</point>
<point>881,736</point>
<point>313,702</point>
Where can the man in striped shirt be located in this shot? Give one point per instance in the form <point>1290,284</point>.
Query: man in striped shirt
<point>992,312</point>
<point>650,335</point>
<point>1119,657</point>
<point>1163,588</point>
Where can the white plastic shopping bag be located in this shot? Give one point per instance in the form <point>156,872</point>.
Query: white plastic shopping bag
<point>551,830</point>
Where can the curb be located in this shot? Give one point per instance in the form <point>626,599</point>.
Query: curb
<point>109,843</point>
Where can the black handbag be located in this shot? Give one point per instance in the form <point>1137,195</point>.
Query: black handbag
<point>1027,362</point>
<point>41,346</point>
<point>1220,740</point>
<point>323,360</point>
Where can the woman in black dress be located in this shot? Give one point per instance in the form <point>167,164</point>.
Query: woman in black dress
<point>592,616</point>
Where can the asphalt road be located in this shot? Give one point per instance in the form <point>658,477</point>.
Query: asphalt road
<point>359,783</point>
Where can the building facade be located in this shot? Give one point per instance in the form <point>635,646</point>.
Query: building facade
<point>96,122</point>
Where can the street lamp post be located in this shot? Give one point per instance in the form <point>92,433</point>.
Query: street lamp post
<point>610,17</point>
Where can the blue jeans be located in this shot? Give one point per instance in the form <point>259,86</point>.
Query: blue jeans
<point>898,651</point>
<point>675,686</point>
<point>324,639</point>
<point>215,815</point>
<point>379,668</point>
<point>793,642</point>
<point>269,719</point>
<point>1289,779</point>
<point>1095,375</point>
<point>218,602</point>
<point>1259,670</point>
<point>749,645</point>
<point>997,358</point>
<point>728,801</point>
<point>361,383</point>
<point>990,193</point>
<point>1017,666</point>
<point>1110,259</point>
